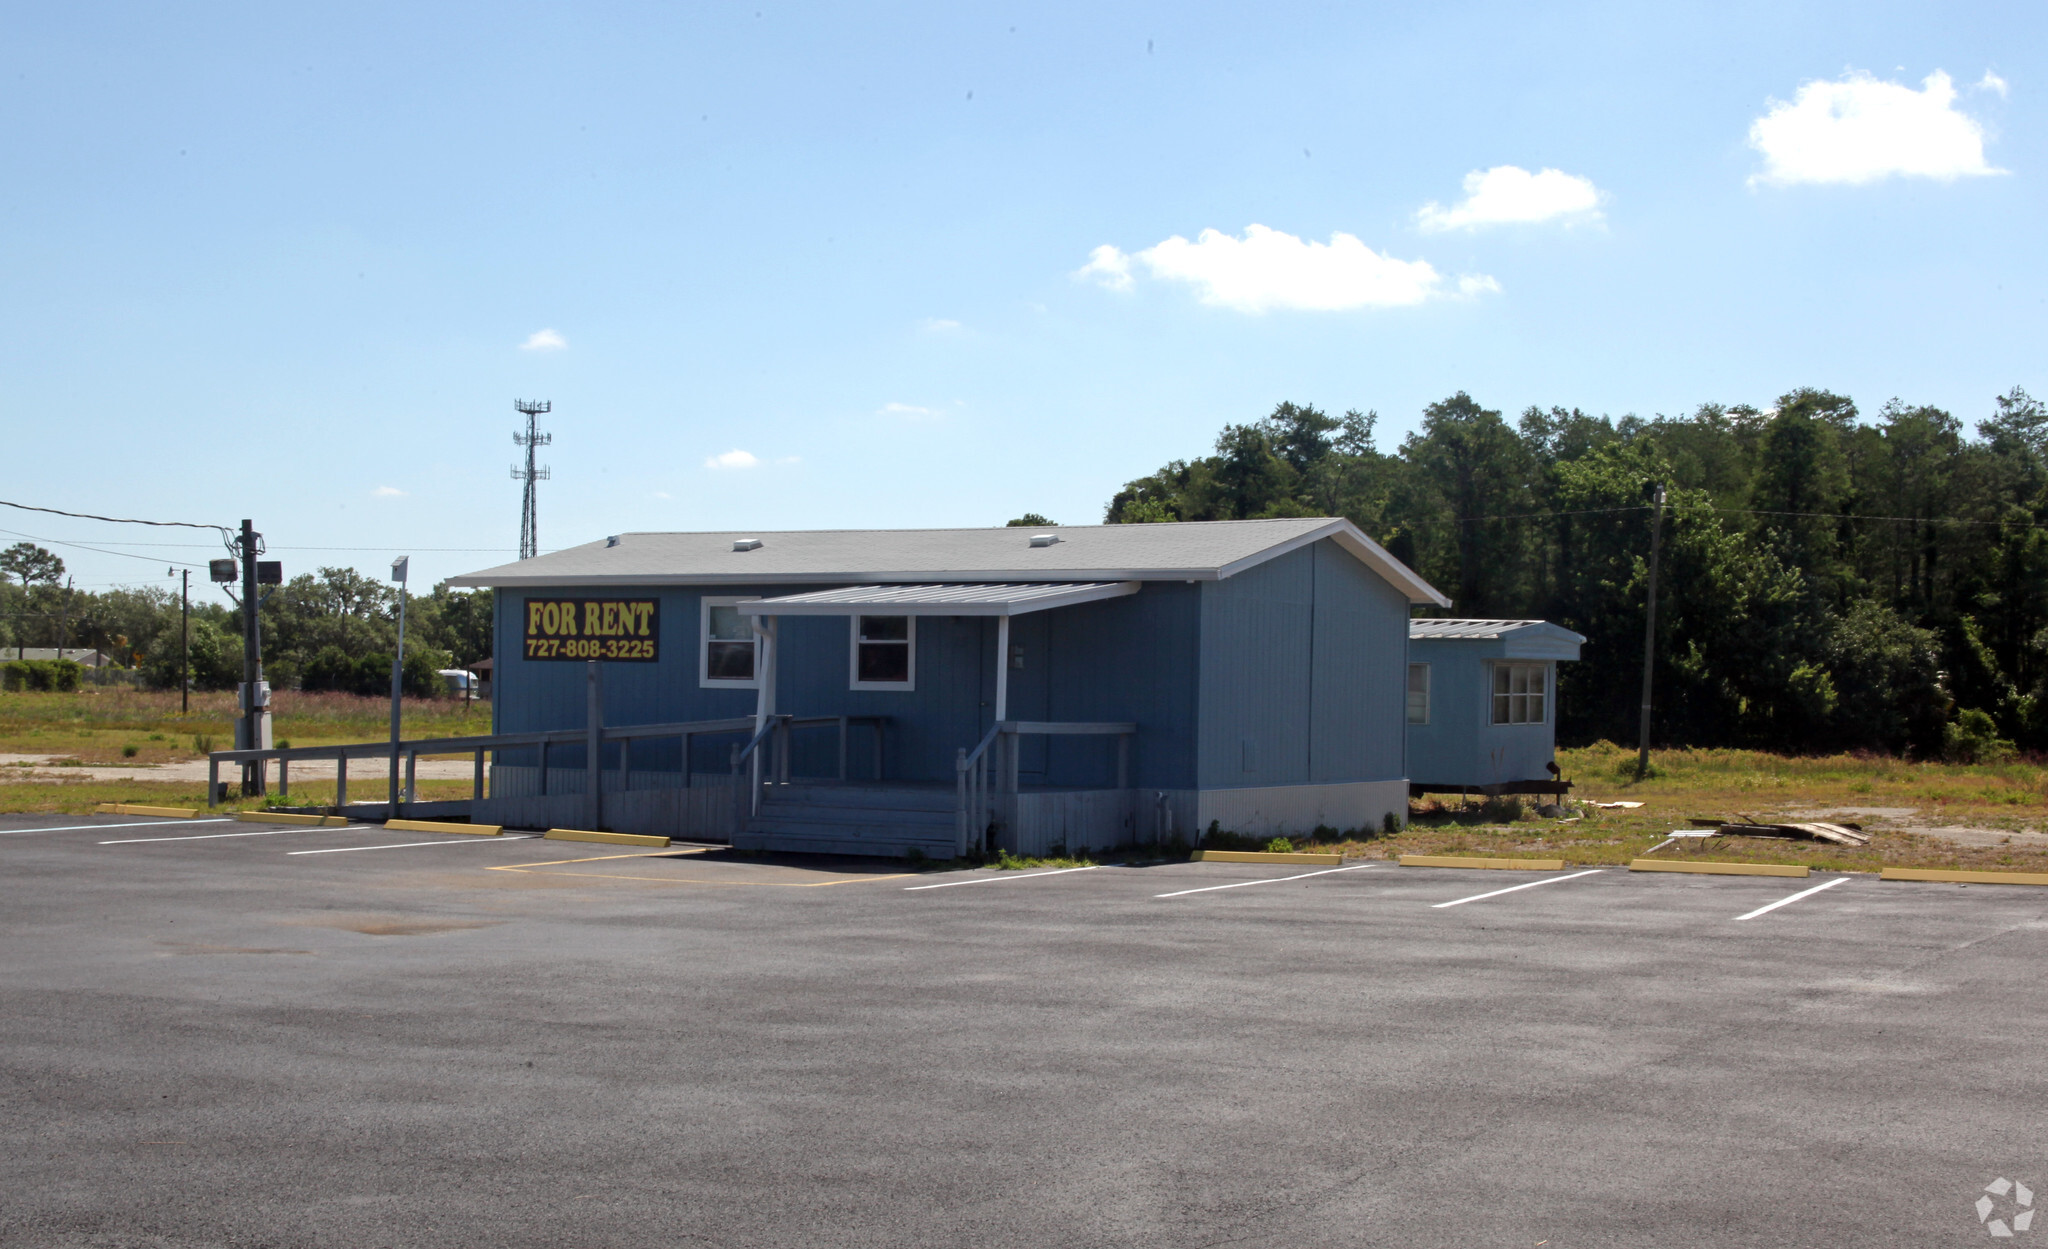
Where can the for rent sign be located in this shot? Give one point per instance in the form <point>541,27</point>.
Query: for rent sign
<point>593,628</point>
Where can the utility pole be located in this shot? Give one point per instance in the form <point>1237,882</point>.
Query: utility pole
<point>531,437</point>
<point>255,690</point>
<point>399,568</point>
<point>184,639</point>
<point>1650,637</point>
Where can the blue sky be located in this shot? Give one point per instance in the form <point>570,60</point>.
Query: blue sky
<point>942,264</point>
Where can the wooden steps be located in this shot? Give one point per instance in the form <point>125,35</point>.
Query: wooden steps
<point>868,819</point>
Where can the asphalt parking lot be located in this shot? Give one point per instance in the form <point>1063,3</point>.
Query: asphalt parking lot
<point>222,1034</point>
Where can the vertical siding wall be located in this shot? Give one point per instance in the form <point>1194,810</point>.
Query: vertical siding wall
<point>926,724</point>
<point>1303,659</point>
<point>1461,745</point>
<point>1124,659</point>
<point>1358,687</point>
<point>532,695</point>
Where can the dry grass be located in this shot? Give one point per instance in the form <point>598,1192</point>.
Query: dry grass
<point>2008,797</point>
<point>93,726</point>
<point>96,726</point>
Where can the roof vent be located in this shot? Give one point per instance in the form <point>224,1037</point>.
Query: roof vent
<point>746,544</point>
<point>611,541</point>
<point>1044,539</point>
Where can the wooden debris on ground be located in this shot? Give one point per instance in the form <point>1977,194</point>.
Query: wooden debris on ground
<point>1842,834</point>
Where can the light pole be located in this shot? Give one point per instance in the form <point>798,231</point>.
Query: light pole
<point>399,568</point>
<point>184,639</point>
<point>1649,637</point>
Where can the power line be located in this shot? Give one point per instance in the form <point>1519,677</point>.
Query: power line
<point>468,550</point>
<point>154,559</point>
<point>114,520</point>
<point>1911,520</point>
<point>202,546</point>
<point>1733,511</point>
<point>1476,520</point>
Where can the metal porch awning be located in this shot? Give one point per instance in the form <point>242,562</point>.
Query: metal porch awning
<point>1003,600</point>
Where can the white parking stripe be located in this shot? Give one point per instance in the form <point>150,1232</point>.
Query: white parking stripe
<point>1274,880</point>
<point>1479,897</point>
<point>73,828</point>
<point>1787,901</point>
<point>407,845</point>
<point>986,880</point>
<point>266,832</point>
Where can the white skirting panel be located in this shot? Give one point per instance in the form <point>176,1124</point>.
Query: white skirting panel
<point>1034,823</point>
<point>1292,810</point>
<point>1097,819</point>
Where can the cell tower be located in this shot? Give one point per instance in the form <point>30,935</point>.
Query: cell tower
<point>529,515</point>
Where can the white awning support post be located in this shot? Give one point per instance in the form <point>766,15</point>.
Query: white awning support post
<point>764,702</point>
<point>1006,746</point>
<point>1002,668</point>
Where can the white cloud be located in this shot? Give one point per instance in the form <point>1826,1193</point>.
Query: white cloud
<point>1268,269</point>
<point>388,492</point>
<point>1477,284</point>
<point>1858,129</point>
<point>1509,194</point>
<point>663,494</point>
<point>909,412</point>
<point>544,340</point>
<point>734,458</point>
<point>1992,82</point>
<point>941,325</point>
<point>1108,267</point>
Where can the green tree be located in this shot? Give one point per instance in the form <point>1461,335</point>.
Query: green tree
<point>1828,581</point>
<point>216,659</point>
<point>1471,491</point>
<point>337,607</point>
<point>1802,481</point>
<point>31,564</point>
<point>459,622</point>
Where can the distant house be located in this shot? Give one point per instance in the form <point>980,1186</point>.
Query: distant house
<point>1118,683</point>
<point>482,683</point>
<point>76,654</point>
<point>1482,704</point>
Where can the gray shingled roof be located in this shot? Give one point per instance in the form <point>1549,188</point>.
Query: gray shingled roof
<point>1199,551</point>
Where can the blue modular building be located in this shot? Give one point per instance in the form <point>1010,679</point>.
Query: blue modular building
<point>1482,704</point>
<point>890,691</point>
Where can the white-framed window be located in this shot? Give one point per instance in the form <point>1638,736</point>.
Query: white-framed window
<point>1518,693</point>
<point>1418,693</point>
<point>728,652</point>
<point>884,653</point>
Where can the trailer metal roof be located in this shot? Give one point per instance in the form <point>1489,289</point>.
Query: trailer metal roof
<point>1441,627</point>
<point>1523,639</point>
<point>939,600</point>
<point>1189,550</point>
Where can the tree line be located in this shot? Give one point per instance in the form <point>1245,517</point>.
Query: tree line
<point>1829,580</point>
<point>331,630</point>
